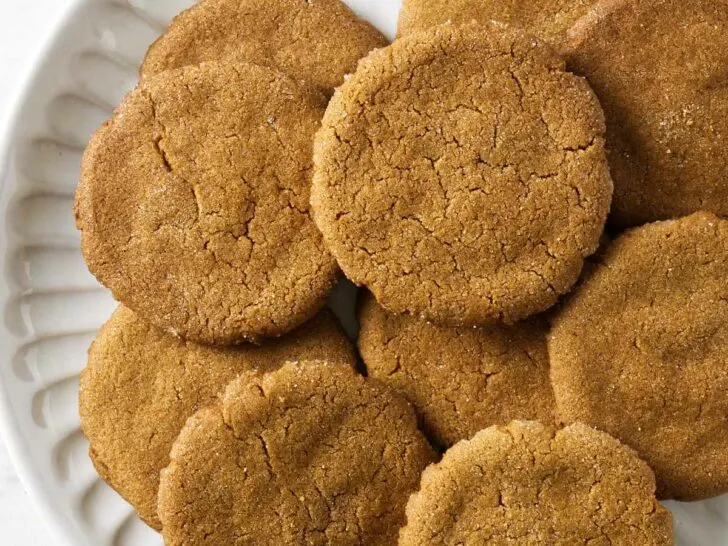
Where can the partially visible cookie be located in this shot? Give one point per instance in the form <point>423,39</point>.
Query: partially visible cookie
<point>659,69</point>
<point>193,203</point>
<point>317,41</point>
<point>547,19</point>
<point>460,380</point>
<point>309,454</point>
<point>141,385</point>
<point>460,175</point>
<point>531,485</point>
<point>640,349</point>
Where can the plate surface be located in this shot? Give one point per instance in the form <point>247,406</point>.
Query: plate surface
<point>51,306</point>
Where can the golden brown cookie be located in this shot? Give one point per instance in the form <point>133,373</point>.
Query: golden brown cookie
<point>460,380</point>
<point>193,204</point>
<point>531,485</point>
<point>309,454</point>
<point>317,41</point>
<point>141,385</point>
<point>547,19</point>
<point>659,69</point>
<point>460,175</point>
<point>640,351</point>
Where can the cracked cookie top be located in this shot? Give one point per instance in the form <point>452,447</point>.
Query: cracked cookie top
<point>309,454</point>
<point>659,69</point>
<point>460,380</point>
<point>460,175</point>
<point>639,351</point>
<point>141,385</point>
<point>316,41</point>
<point>529,484</point>
<point>194,203</point>
<point>547,19</point>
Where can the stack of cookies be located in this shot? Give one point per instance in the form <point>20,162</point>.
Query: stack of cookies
<point>532,198</point>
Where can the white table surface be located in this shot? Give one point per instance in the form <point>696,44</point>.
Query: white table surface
<point>24,27</point>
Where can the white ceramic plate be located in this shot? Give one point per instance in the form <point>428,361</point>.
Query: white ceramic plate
<point>51,306</point>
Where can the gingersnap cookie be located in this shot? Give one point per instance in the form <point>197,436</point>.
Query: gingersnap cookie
<point>460,175</point>
<point>530,484</point>
<point>142,384</point>
<point>459,380</point>
<point>317,41</point>
<point>639,351</point>
<point>308,454</point>
<point>547,19</point>
<point>193,204</point>
<point>658,67</point>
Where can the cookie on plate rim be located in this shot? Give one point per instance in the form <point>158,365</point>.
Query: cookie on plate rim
<point>141,384</point>
<point>193,203</point>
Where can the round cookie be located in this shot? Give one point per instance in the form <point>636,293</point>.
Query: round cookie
<point>193,204</point>
<point>547,19</point>
<point>639,351</point>
<point>530,485</point>
<point>318,42</point>
<point>658,67</point>
<point>309,454</point>
<point>142,384</point>
<point>460,175</point>
<point>459,380</point>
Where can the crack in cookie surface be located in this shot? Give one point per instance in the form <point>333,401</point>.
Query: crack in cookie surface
<point>461,175</point>
<point>309,454</point>
<point>193,203</point>
<point>140,385</point>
